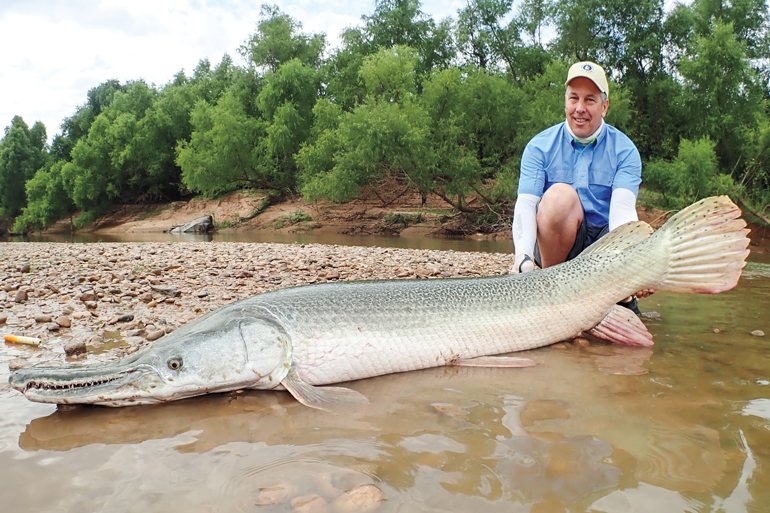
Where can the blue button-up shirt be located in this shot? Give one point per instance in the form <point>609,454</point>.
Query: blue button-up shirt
<point>611,161</point>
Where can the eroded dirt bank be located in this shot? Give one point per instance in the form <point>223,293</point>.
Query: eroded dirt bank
<point>383,212</point>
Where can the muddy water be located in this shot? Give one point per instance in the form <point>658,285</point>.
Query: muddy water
<point>681,427</point>
<point>443,244</point>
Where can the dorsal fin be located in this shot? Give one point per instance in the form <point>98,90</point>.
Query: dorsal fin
<point>621,238</point>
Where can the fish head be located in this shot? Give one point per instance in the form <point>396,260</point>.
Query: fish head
<point>198,359</point>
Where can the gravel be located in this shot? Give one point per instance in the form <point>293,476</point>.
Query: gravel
<point>102,295</point>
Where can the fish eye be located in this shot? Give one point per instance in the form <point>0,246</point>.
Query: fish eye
<point>175,363</point>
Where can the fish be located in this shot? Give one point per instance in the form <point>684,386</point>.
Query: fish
<point>303,339</point>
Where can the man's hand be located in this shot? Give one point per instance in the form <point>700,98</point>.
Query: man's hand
<point>645,293</point>
<point>522,263</point>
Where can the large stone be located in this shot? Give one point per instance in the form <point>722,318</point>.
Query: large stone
<point>169,291</point>
<point>361,499</point>
<point>201,225</point>
<point>155,335</point>
<point>75,347</point>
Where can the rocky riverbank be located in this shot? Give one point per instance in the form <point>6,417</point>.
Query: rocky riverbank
<point>104,300</point>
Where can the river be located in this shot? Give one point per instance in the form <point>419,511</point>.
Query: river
<point>681,427</point>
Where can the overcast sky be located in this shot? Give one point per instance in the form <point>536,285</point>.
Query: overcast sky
<point>54,51</point>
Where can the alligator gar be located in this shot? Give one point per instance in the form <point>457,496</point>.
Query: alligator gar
<point>300,338</point>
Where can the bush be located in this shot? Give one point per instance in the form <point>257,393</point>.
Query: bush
<point>692,175</point>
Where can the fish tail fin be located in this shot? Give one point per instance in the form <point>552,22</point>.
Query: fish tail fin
<point>707,244</point>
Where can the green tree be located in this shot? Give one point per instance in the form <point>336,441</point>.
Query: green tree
<point>48,200</point>
<point>104,169</point>
<point>278,41</point>
<point>227,150</point>
<point>22,152</point>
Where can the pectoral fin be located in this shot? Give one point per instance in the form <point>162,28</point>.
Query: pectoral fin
<point>494,361</point>
<point>331,399</point>
<point>622,326</point>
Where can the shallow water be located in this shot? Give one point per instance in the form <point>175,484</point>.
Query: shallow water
<point>439,243</point>
<point>681,427</point>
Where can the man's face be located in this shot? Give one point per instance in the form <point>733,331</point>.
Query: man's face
<point>584,107</point>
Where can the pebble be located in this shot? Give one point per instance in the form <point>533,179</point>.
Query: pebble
<point>581,342</point>
<point>716,330</point>
<point>167,291</point>
<point>274,495</point>
<point>309,504</point>
<point>42,318</point>
<point>62,275</point>
<point>75,347</point>
<point>361,499</point>
<point>758,333</point>
<point>18,363</point>
<point>64,321</point>
<point>155,335</point>
<point>21,296</point>
<point>651,315</point>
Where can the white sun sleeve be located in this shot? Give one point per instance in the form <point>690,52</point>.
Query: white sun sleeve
<point>525,225</point>
<point>622,208</point>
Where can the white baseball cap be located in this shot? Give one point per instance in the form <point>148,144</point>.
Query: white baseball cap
<point>591,71</point>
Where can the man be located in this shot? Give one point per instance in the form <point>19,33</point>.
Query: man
<point>579,179</point>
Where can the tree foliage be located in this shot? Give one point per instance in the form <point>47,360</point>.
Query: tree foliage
<point>441,107</point>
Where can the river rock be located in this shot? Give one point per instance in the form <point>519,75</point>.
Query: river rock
<point>155,335</point>
<point>309,504</point>
<point>87,296</point>
<point>167,290</point>
<point>64,321</point>
<point>52,326</point>
<point>21,296</point>
<point>18,363</point>
<point>3,319</point>
<point>74,347</point>
<point>275,495</point>
<point>758,333</point>
<point>146,297</point>
<point>43,318</point>
<point>25,268</point>
<point>361,499</point>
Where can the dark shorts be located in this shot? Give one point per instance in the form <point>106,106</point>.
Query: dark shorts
<point>587,234</point>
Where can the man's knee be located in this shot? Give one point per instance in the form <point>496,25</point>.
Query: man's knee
<point>560,204</point>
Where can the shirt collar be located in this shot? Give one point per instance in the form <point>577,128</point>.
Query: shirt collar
<point>597,136</point>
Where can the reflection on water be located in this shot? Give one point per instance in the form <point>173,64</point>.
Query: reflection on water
<point>681,427</point>
<point>443,244</point>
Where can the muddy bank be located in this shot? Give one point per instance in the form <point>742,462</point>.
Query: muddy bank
<point>376,212</point>
<point>102,300</point>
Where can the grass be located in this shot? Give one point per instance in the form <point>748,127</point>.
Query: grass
<point>297,217</point>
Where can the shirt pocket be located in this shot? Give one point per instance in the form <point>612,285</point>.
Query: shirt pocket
<point>559,174</point>
<point>600,181</point>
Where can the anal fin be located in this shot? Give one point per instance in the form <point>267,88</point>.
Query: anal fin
<point>331,399</point>
<point>622,326</point>
<point>494,361</point>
